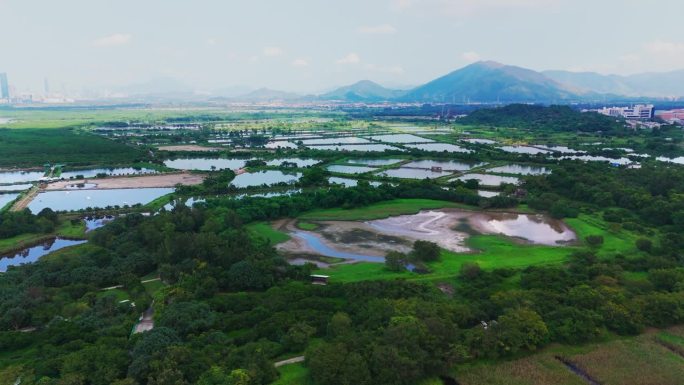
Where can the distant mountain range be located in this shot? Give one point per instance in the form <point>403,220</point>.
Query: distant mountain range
<point>490,81</point>
<point>651,84</point>
<point>363,91</point>
<point>481,82</point>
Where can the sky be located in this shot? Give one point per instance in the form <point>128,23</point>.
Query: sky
<point>310,46</point>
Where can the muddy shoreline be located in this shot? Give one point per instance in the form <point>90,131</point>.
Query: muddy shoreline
<point>449,228</point>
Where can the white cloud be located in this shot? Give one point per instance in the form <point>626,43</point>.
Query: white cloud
<point>661,47</point>
<point>352,58</point>
<point>272,51</point>
<point>300,63</point>
<point>211,42</point>
<point>470,56</point>
<point>113,40</point>
<point>382,29</point>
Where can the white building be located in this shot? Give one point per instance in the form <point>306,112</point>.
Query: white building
<point>639,111</point>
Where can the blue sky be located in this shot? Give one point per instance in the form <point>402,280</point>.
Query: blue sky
<point>310,46</point>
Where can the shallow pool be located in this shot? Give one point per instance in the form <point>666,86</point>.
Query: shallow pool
<point>81,199</point>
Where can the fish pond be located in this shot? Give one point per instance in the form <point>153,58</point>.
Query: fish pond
<point>9,177</point>
<point>520,169</point>
<point>350,169</point>
<point>400,138</point>
<point>91,173</point>
<point>5,199</point>
<point>32,254</point>
<point>413,173</point>
<point>438,147</point>
<point>266,177</point>
<point>75,200</point>
<point>205,164</point>
<point>489,180</point>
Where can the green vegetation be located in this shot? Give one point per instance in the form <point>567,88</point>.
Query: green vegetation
<point>293,374</point>
<point>266,231</point>
<point>378,210</point>
<point>35,147</point>
<point>307,226</point>
<point>23,229</point>
<point>553,118</point>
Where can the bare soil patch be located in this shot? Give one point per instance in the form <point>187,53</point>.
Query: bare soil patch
<point>147,181</point>
<point>189,147</point>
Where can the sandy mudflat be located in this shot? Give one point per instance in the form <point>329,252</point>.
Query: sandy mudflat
<point>189,147</point>
<point>433,226</point>
<point>147,181</point>
<point>448,228</point>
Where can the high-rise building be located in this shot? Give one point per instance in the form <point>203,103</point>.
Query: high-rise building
<point>46,85</point>
<point>4,86</point>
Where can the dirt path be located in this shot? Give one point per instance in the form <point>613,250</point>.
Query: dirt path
<point>289,361</point>
<point>25,200</point>
<point>146,322</point>
<point>146,181</point>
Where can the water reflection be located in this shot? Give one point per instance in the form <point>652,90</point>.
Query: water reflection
<point>400,138</point>
<point>32,254</point>
<point>268,177</point>
<point>438,147</point>
<point>520,169</point>
<point>534,228</point>
<point>489,180</point>
<point>205,164</point>
<point>81,199</point>
<point>350,169</point>
<point>5,199</point>
<point>316,244</point>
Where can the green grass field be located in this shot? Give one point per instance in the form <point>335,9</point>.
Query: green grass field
<point>294,374</point>
<point>307,226</point>
<point>380,210</point>
<point>118,294</point>
<point>153,287</point>
<point>264,230</point>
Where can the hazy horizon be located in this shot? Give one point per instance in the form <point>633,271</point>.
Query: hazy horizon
<point>312,46</point>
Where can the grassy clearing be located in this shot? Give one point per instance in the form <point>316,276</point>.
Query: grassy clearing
<point>153,287</point>
<point>307,226</point>
<point>494,251</point>
<point>294,374</point>
<point>614,242</point>
<point>71,230</point>
<point>380,210</point>
<point>266,231</point>
<point>118,294</point>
